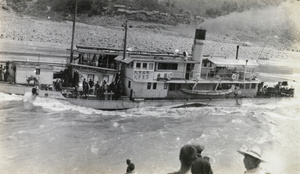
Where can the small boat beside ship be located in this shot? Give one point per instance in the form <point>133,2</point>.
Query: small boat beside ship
<point>122,79</point>
<point>211,93</point>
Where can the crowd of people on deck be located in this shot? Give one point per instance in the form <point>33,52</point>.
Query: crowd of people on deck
<point>99,90</point>
<point>192,160</point>
<point>58,84</point>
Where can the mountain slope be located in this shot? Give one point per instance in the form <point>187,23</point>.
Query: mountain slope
<point>274,25</point>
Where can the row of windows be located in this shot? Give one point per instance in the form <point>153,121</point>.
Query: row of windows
<point>248,86</point>
<point>154,85</point>
<point>160,66</point>
<point>207,64</point>
<point>150,85</point>
<point>167,66</point>
<point>145,66</point>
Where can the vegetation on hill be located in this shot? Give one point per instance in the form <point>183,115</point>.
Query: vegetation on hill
<point>210,9</point>
<point>274,22</point>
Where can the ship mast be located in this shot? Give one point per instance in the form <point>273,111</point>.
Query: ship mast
<point>125,39</point>
<point>73,31</point>
<point>70,71</point>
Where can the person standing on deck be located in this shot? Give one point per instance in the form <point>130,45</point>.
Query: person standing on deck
<point>83,84</point>
<point>60,85</point>
<point>85,87</point>
<point>76,91</point>
<point>97,89</point>
<point>104,86</point>
<point>91,84</point>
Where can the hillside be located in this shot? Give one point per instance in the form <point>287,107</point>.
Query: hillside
<point>211,8</point>
<point>23,33</point>
<point>271,22</point>
<point>275,26</point>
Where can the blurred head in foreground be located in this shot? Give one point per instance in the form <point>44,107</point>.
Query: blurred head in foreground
<point>201,166</point>
<point>188,154</point>
<point>130,166</point>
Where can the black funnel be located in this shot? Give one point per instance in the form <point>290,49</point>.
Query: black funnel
<point>237,52</point>
<point>200,34</point>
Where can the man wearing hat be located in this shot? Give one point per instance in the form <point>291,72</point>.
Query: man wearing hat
<point>252,160</point>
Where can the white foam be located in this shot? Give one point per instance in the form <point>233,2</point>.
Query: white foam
<point>61,105</point>
<point>10,97</point>
<point>28,97</point>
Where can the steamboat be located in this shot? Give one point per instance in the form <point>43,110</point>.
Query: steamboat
<point>110,79</point>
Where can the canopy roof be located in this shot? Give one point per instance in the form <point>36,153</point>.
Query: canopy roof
<point>230,62</point>
<point>154,58</point>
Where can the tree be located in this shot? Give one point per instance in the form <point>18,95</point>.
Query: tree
<point>148,4</point>
<point>213,12</point>
<point>228,7</point>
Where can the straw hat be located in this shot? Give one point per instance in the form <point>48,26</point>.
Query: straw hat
<point>254,152</point>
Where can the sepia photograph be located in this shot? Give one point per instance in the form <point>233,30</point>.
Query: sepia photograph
<point>150,86</point>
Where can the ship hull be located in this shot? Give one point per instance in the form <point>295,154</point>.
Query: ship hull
<point>90,103</point>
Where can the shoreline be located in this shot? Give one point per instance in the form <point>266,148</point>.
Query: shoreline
<point>272,70</point>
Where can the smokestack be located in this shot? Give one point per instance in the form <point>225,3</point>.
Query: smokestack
<point>197,50</point>
<point>237,52</point>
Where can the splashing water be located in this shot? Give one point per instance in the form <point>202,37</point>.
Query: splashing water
<point>53,136</point>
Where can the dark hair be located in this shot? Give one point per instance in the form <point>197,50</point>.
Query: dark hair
<point>199,149</point>
<point>188,154</point>
<point>201,166</point>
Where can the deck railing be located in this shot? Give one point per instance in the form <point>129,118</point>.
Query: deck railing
<point>97,64</point>
<point>235,76</point>
<point>168,75</point>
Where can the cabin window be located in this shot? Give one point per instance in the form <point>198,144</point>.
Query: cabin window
<point>253,86</point>
<point>130,65</point>
<point>165,86</point>
<point>148,85</point>
<point>174,87</point>
<point>242,86</point>
<point>150,66</point>
<point>105,78</point>
<point>144,65</point>
<point>84,59</point>
<point>138,65</point>
<point>154,85</point>
<point>247,86</point>
<point>91,76</point>
<point>37,71</point>
<point>167,66</point>
<point>189,67</point>
<point>129,84</point>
